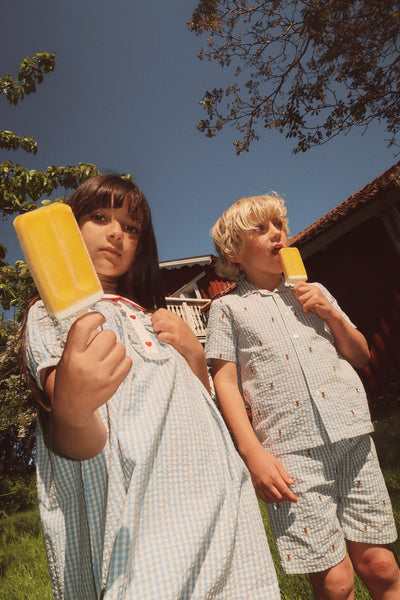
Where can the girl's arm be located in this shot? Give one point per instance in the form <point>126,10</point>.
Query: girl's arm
<point>269,477</point>
<point>90,371</point>
<point>173,330</point>
<point>350,342</point>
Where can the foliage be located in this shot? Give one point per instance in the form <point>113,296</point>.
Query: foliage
<point>17,416</point>
<point>21,189</point>
<point>311,69</point>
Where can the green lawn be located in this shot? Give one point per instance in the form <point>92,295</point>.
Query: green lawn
<point>23,568</point>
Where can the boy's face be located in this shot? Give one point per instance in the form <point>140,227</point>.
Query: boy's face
<point>260,256</point>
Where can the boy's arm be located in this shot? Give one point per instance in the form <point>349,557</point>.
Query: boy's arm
<point>350,342</point>
<point>269,477</point>
<point>173,330</point>
<point>90,371</point>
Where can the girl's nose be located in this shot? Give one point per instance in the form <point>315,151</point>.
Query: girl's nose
<point>114,229</point>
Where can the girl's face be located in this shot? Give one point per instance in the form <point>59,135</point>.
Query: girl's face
<point>112,238</point>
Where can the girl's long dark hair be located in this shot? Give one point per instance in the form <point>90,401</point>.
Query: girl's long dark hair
<point>142,283</point>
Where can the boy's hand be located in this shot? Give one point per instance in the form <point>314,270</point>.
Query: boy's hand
<point>313,300</point>
<point>270,478</point>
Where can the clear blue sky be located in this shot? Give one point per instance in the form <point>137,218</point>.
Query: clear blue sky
<point>125,96</point>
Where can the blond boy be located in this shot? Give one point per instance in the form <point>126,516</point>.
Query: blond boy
<point>290,353</point>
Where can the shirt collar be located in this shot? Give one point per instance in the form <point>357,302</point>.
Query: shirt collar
<point>245,288</point>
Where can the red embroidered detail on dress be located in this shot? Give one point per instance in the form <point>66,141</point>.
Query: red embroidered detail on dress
<point>148,344</point>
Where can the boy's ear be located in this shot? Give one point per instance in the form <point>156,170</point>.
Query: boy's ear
<point>234,259</point>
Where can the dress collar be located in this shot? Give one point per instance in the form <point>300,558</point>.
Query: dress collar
<point>116,298</point>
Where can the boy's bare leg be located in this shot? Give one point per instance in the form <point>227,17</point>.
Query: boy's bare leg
<point>336,583</point>
<point>378,569</point>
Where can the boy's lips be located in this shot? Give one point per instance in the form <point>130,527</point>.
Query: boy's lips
<point>276,249</point>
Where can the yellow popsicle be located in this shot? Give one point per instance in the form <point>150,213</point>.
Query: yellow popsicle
<point>58,260</point>
<point>292,265</point>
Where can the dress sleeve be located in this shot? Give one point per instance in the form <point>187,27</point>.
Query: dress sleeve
<point>221,341</point>
<point>44,340</point>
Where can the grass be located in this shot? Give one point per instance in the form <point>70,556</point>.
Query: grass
<point>23,567</point>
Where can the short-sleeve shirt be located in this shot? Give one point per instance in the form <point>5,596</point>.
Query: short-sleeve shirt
<point>301,391</point>
<point>167,509</point>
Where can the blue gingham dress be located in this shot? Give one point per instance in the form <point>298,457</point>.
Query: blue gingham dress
<point>167,509</point>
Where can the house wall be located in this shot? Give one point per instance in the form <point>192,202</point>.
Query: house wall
<point>362,270</point>
<point>209,285</point>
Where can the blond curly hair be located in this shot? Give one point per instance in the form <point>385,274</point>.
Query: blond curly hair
<point>244,215</point>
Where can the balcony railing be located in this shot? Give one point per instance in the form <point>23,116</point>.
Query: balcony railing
<point>189,309</point>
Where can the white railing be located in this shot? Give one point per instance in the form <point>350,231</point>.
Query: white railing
<point>189,309</point>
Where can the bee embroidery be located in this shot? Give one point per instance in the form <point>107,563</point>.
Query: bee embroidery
<point>323,394</point>
<point>273,319</point>
<point>271,385</point>
<point>297,403</point>
<point>279,432</point>
<point>320,498</point>
<point>245,308</point>
<point>365,528</point>
<point>384,502</point>
<point>353,413</point>
<point>287,356</point>
<point>358,483</point>
<point>305,530</point>
<point>222,316</point>
<point>308,452</point>
<point>357,390</point>
<point>259,342</point>
<point>310,349</point>
<point>220,356</point>
<point>333,547</point>
<point>288,557</point>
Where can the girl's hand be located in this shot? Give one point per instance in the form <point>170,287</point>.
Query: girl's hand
<point>92,367</point>
<point>173,330</point>
<point>269,477</point>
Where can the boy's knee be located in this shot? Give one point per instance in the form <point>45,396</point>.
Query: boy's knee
<point>378,566</point>
<point>336,582</point>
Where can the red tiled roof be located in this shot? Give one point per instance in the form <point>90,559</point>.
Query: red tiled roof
<point>383,183</point>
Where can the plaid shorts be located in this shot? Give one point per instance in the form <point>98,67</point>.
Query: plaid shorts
<point>341,495</point>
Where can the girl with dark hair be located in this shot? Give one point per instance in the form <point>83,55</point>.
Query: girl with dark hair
<point>141,492</point>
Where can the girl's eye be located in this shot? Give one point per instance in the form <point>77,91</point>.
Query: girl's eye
<point>259,228</point>
<point>278,224</point>
<point>99,218</point>
<point>132,229</point>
